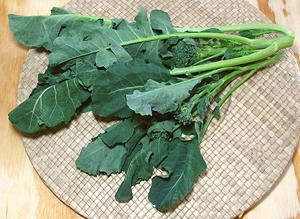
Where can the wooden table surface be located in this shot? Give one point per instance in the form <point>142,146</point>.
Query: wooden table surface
<point>23,194</point>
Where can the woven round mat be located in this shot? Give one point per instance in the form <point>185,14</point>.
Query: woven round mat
<point>246,152</point>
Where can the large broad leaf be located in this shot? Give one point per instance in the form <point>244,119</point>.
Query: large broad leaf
<point>111,87</point>
<point>55,105</point>
<point>41,31</point>
<point>67,48</point>
<point>184,165</point>
<point>98,157</point>
<point>159,97</point>
<point>202,108</point>
<point>141,166</point>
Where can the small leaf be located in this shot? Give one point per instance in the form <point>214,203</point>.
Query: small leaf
<point>159,129</point>
<point>87,80</point>
<point>252,34</point>
<point>216,112</point>
<point>211,30</point>
<point>202,107</point>
<point>97,157</point>
<point>59,11</point>
<point>189,41</point>
<point>159,97</point>
<point>133,145</point>
<point>118,133</point>
<point>161,21</point>
<point>237,51</point>
<point>105,58</point>
<point>121,54</point>
<point>138,169</point>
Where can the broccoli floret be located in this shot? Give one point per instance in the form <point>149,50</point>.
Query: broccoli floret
<point>184,54</point>
<point>184,114</point>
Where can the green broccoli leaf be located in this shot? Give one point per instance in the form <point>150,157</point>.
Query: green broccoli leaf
<point>252,34</point>
<point>53,106</point>
<point>160,21</point>
<point>67,47</point>
<point>41,31</point>
<point>133,145</point>
<point>161,128</point>
<point>202,107</point>
<point>212,30</point>
<point>138,169</point>
<point>111,87</point>
<point>97,157</point>
<point>141,166</point>
<point>118,133</point>
<point>105,58</point>
<point>83,65</point>
<point>238,51</point>
<point>59,11</point>
<point>87,79</point>
<point>159,97</point>
<point>184,165</point>
<point>216,112</point>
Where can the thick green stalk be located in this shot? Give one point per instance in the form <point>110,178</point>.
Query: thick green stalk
<point>241,27</point>
<point>180,35</point>
<point>283,42</point>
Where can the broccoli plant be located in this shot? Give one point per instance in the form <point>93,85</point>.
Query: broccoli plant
<point>163,84</point>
